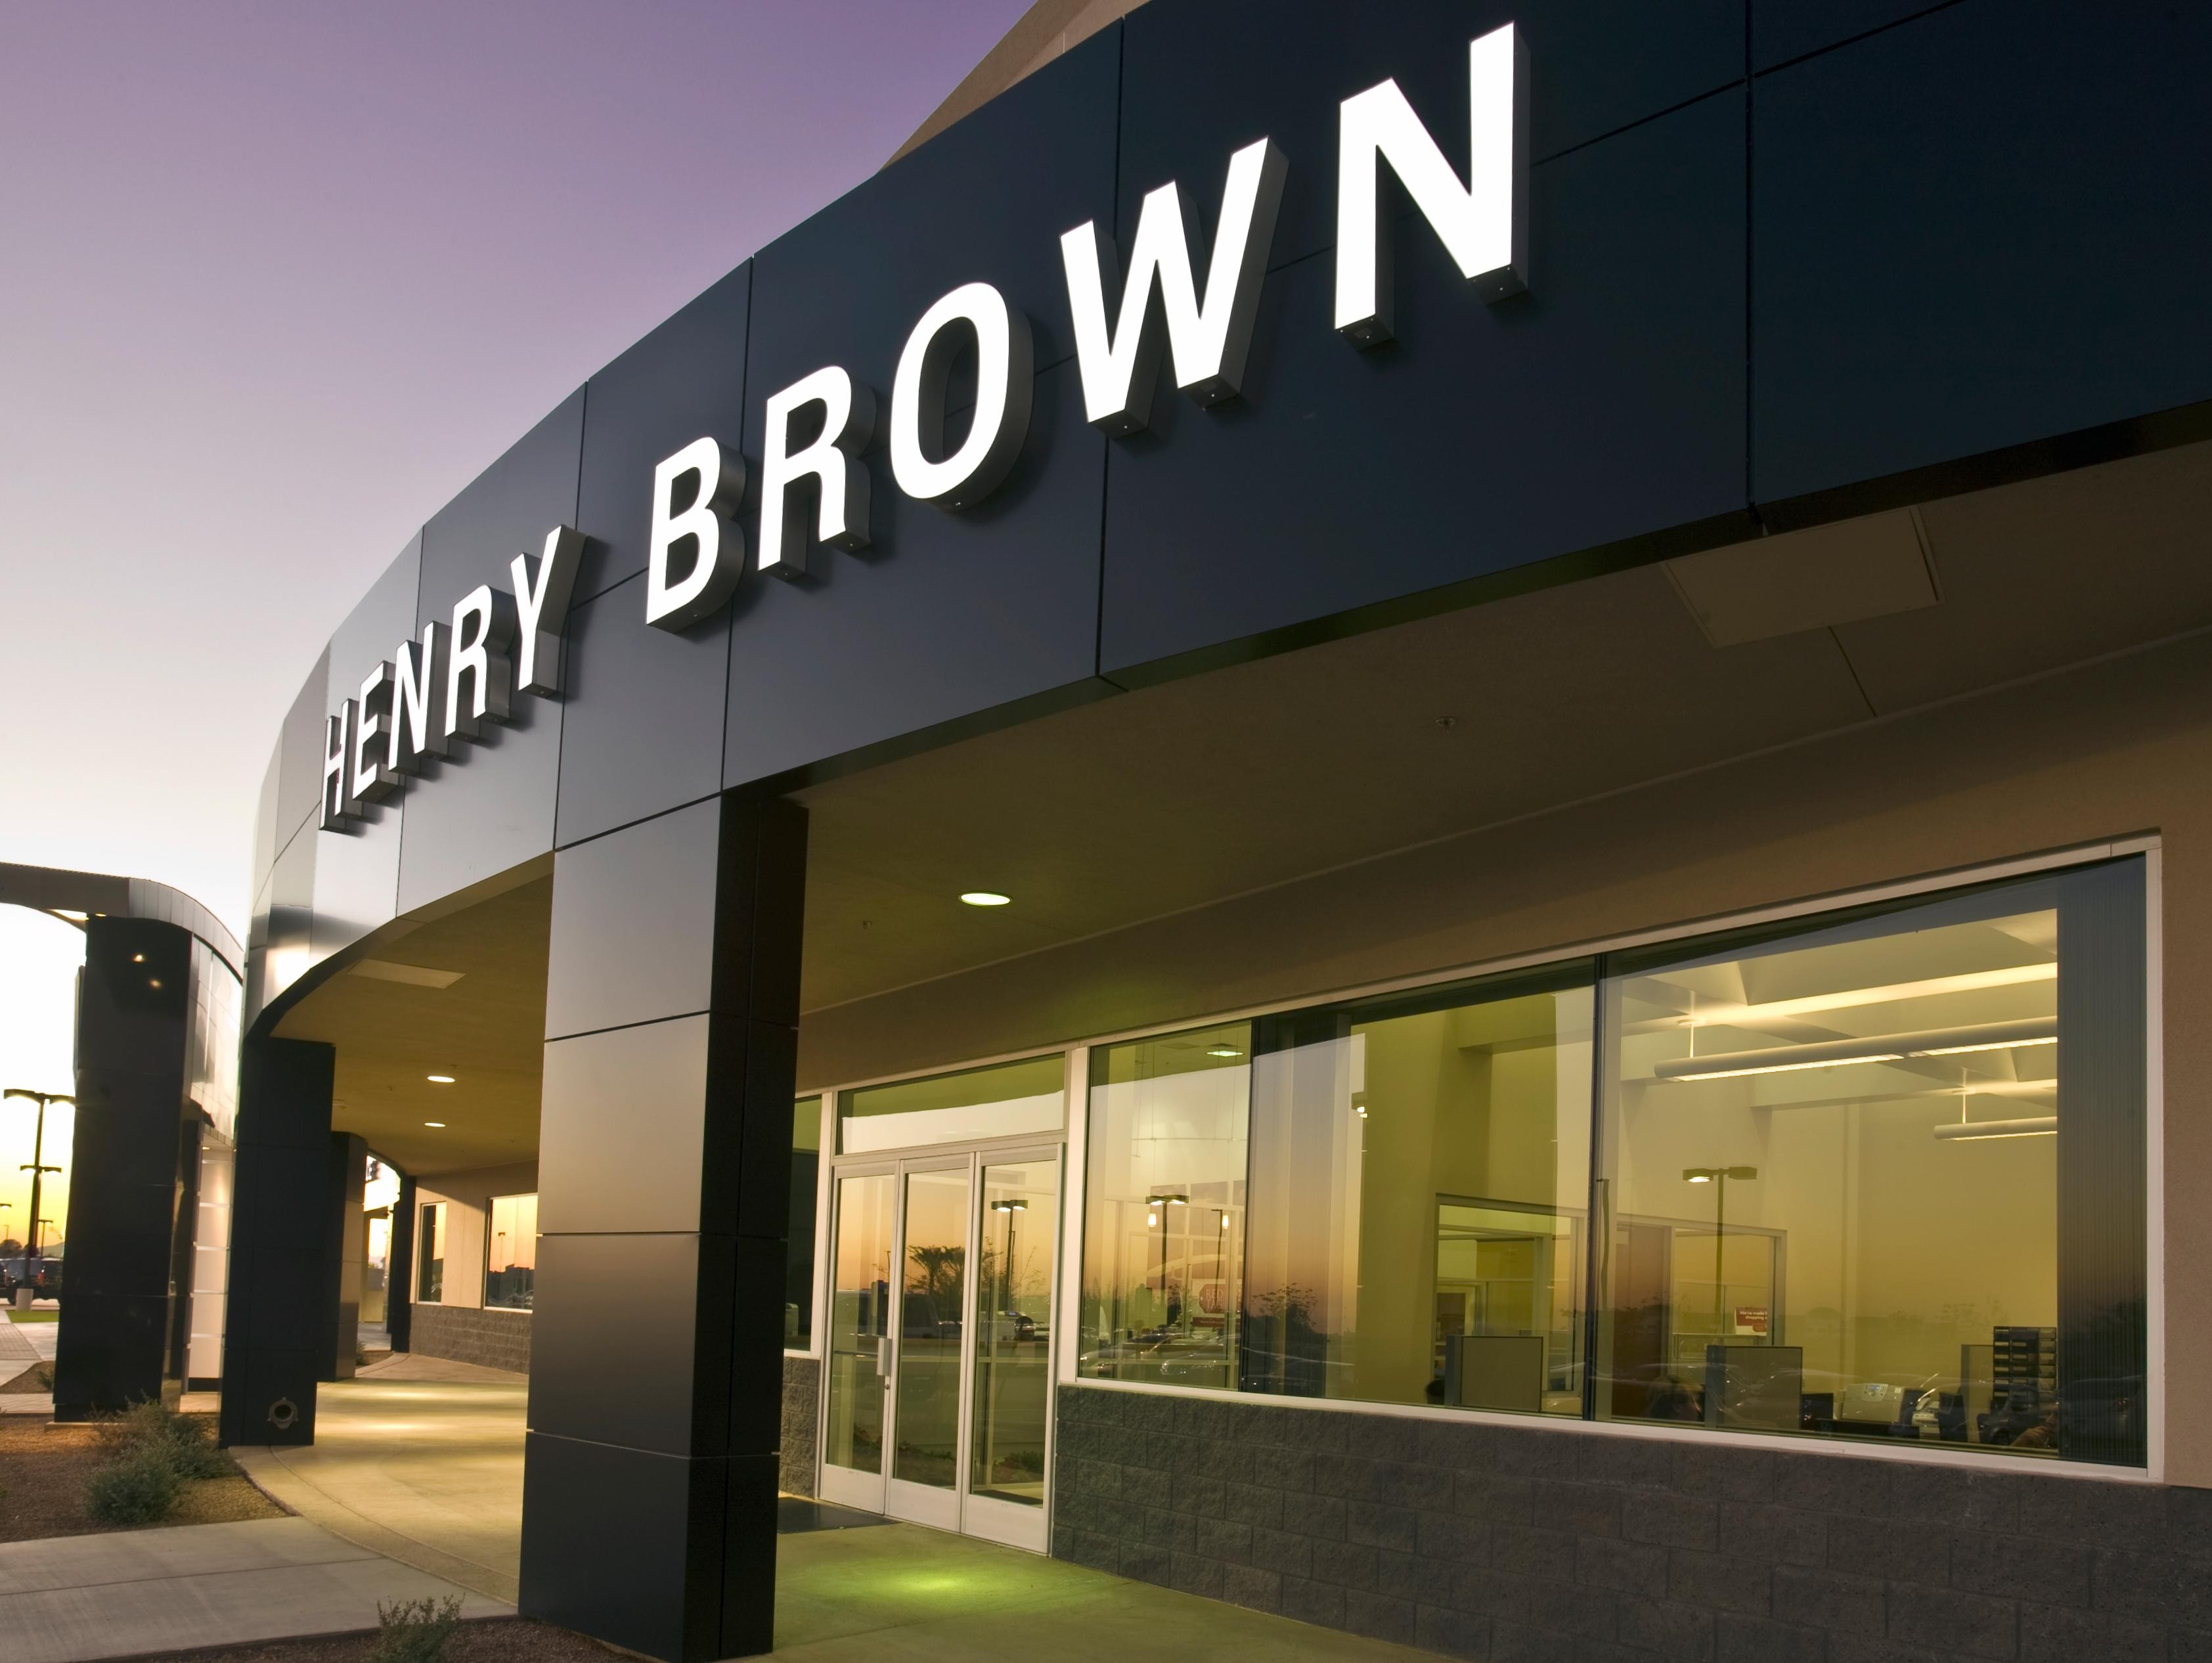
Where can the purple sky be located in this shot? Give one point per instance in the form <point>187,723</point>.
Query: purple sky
<point>279,278</point>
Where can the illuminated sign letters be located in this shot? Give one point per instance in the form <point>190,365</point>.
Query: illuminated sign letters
<point>462,675</point>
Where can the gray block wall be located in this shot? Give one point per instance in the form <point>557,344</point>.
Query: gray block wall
<point>461,1333</point>
<point>1496,1542</point>
<point>802,1384</point>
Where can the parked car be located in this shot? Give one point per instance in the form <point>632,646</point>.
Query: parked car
<point>43,1275</point>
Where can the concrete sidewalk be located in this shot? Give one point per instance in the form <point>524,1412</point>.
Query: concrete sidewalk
<point>74,1599</point>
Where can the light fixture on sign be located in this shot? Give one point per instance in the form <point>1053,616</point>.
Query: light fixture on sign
<point>986,898</point>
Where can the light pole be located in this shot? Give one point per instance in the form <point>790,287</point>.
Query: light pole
<point>1159,1205</point>
<point>37,1168</point>
<point>1719,1176</point>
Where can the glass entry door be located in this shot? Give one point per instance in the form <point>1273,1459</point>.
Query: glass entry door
<point>939,1390</point>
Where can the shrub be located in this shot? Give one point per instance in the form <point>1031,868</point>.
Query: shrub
<point>413,1630</point>
<point>139,1488</point>
<point>178,1439</point>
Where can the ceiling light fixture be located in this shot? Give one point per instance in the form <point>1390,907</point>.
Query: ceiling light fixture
<point>1223,1050</point>
<point>2041,1125</point>
<point>438,1079</point>
<point>439,1125</point>
<point>1969,982</point>
<point>986,898</point>
<point>1873,1048</point>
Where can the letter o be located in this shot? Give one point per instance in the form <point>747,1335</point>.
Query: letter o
<point>1005,378</point>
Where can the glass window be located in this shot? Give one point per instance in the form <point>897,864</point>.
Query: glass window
<point>799,1261</point>
<point>1832,1167</point>
<point>511,1254</point>
<point>431,1254</point>
<point>1164,1220</point>
<point>1001,1102</point>
<point>1419,1182</point>
<point>1014,1331</point>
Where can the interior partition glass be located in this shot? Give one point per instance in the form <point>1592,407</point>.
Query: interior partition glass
<point>511,1254</point>
<point>1419,1176</point>
<point>1006,1099</point>
<point>1833,1171</point>
<point>798,1259</point>
<point>1163,1217</point>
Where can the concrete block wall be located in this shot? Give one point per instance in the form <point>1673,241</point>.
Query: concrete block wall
<point>466,1333</point>
<point>1484,1541</point>
<point>802,1387</point>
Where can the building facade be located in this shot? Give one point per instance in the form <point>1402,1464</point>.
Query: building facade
<point>1401,814</point>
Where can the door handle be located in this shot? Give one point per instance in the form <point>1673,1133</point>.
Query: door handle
<point>884,1359</point>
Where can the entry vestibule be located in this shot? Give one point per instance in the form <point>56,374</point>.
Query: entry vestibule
<point>938,1377</point>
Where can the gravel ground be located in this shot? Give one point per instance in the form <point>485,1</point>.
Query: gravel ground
<point>43,1469</point>
<point>508,1642</point>
<point>34,1382</point>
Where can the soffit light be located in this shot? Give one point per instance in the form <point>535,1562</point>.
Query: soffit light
<point>986,898</point>
<point>438,1079</point>
<point>438,1125</point>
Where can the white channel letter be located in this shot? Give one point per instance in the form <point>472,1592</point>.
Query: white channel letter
<point>1211,341</point>
<point>718,479</point>
<point>841,515</point>
<point>483,628</point>
<point>1005,371</point>
<point>418,692</point>
<point>339,813</point>
<point>370,778</point>
<point>1482,224</point>
<point>541,609</point>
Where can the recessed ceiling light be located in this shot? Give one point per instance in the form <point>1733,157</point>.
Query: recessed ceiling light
<point>439,1079</point>
<point>137,958</point>
<point>986,898</point>
<point>1223,1050</point>
<point>440,1125</point>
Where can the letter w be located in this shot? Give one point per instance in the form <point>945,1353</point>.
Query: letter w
<point>1210,340</point>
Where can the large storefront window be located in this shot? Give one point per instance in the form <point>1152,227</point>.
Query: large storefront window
<point>799,1261</point>
<point>1419,1170</point>
<point>1879,1174</point>
<point>1163,1221</point>
<point>431,1254</point>
<point>1832,1175</point>
<point>511,1254</point>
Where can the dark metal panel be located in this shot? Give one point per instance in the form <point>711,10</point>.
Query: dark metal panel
<point>651,1082</point>
<point>492,807</point>
<point>1605,404</point>
<point>1975,231</point>
<point>684,381</point>
<point>948,613</point>
<point>1783,29</point>
<point>641,723</point>
<point>1200,79</point>
<point>655,1281</point>
<point>299,752</point>
<point>633,929</point>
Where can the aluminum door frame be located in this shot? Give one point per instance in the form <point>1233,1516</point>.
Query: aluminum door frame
<point>905,1499</point>
<point>1008,1523</point>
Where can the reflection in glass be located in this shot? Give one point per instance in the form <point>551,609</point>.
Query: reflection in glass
<point>1832,1166</point>
<point>1004,1100</point>
<point>511,1254</point>
<point>932,1300</point>
<point>1420,1177</point>
<point>1163,1223</point>
<point>860,1323</point>
<point>1014,1331</point>
<point>799,1251</point>
<point>431,1254</point>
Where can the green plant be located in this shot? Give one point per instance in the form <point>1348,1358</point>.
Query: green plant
<point>138,1489</point>
<point>44,1376</point>
<point>178,1439</point>
<point>413,1630</point>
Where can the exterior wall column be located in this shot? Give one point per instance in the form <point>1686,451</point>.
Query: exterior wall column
<point>343,1181</point>
<point>664,1155</point>
<point>399,1271</point>
<point>136,1129</point>
<point>280,1267</point>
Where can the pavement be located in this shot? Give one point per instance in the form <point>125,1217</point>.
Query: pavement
<point>23,1345</point>
<point>72,1598</point>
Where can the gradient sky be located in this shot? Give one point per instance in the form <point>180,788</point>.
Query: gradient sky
<point>276,281</point>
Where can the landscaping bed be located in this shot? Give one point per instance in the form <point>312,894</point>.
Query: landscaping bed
<point>45,1469</point>
<point>500,1640</point>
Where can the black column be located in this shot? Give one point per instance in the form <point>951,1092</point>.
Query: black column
<point>125,1173</point>
<point>341,1255</point>
<point>279,1243</point>
<point>672,1020</point>
<point>399,1272</point>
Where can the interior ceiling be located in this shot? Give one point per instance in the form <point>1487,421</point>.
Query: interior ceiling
<point>1182,795</point>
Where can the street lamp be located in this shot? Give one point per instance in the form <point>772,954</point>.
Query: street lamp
<point>1718,1176</point>
<point>37,1168</point>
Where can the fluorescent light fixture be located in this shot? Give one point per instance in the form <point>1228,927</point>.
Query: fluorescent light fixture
<point>2042,1125</point>
<point>1873,1048</point>
<point>439,1125</point>
<point>1735,1065</point>
<point>1223,1050</point>
<point>1984,1044</point>
<point>1970,981</point>
<point>438,1079</point>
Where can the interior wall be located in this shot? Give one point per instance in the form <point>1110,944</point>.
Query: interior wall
<point>2115,748</point>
